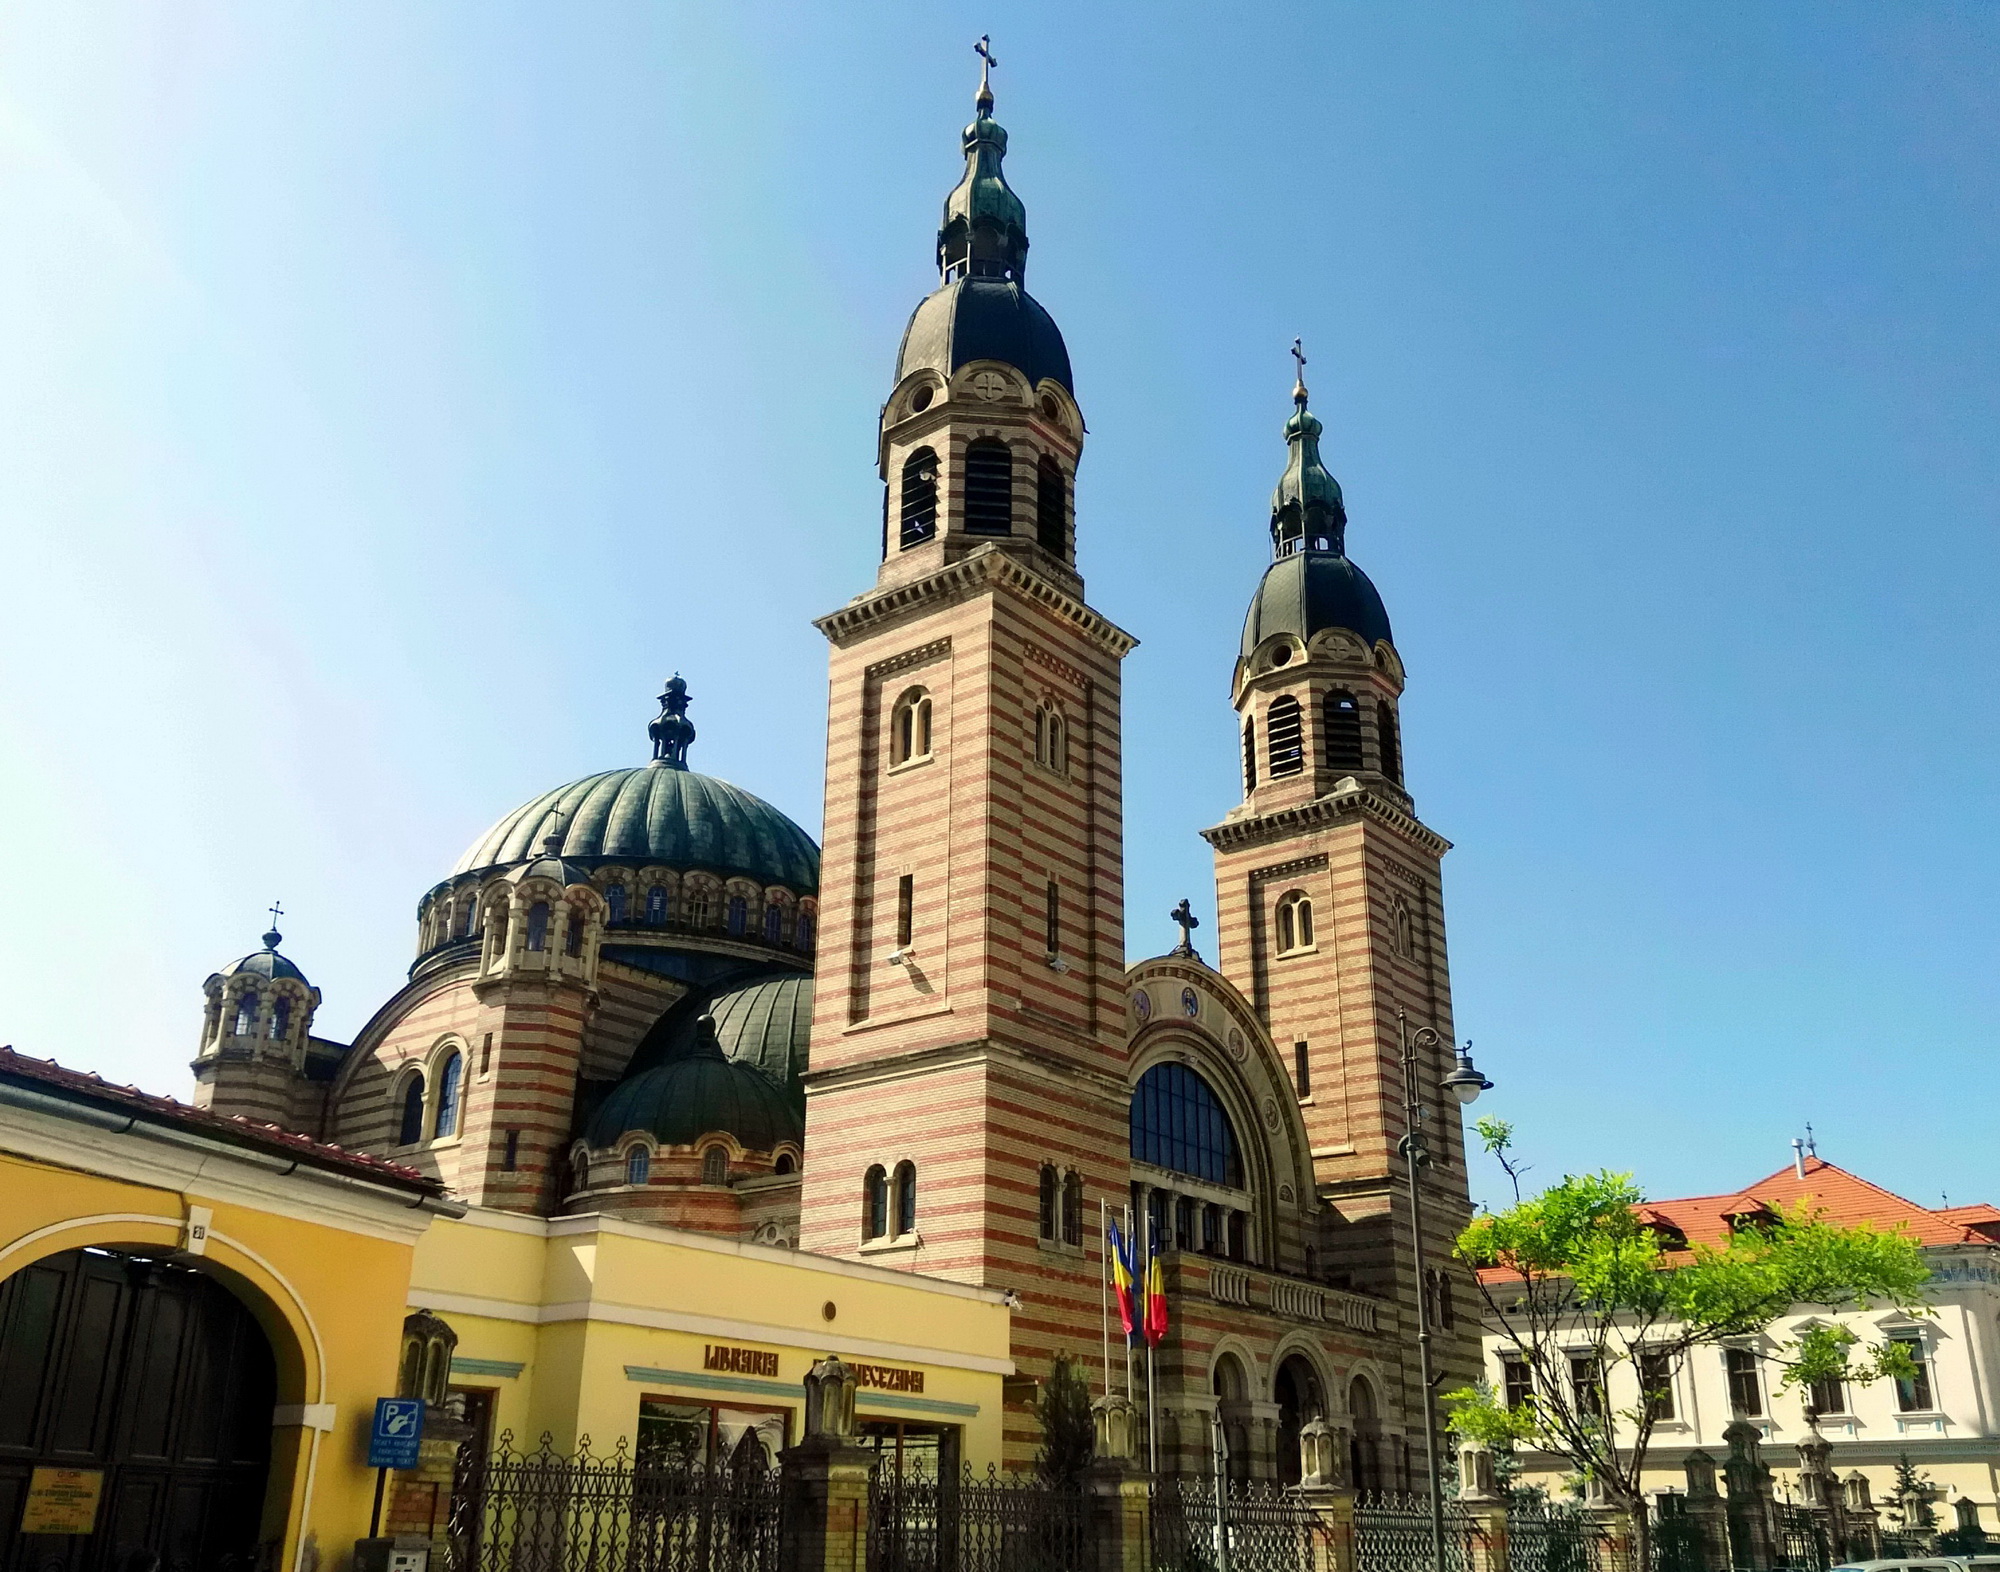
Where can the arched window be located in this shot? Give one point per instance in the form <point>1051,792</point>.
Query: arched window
<point>246,1012</point>
<point>1385,736</point>
<point>614,900</point>
<point>1343,731</point>
<point>906,1198</point>
<point>786,1164</point>
<point>989,488</point>
<point>579,1172</point>
<point>1228,1380</point>
<point>411,1130</point>
<point>1178,1124</point>
<point>465,920</point>
<point>1286,736</point>
<point>1051,739</point>
<point>697,906</point>
<point>656,906</point>
<point>919,515</point>
<point>538,926</point>
<point>910,727</point>
<point>638,1166</point>
<point>1249,753</point>
<point>715,1165</point>
<point>1051,508</point>
<point>449,1078</point>
<point>739,915</point>
<point>802,935</point>
<point>1049,1221</point>
<point>1072,1208</point>
<point>281,1018</point>
<point>875,1203</point>
<point>1406,928</point>
<point>1295,922</point>
<point>573,932</point>
<point>1052,916</point>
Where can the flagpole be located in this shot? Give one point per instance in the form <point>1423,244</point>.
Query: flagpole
<point>1128,1340</point>
<point>1152,1421</point>
<point>1104,1286</point>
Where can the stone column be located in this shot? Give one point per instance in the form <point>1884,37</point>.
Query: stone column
<point>1819,1487</point>
<point>1479,1495</point>
<point>1753,1526</point>
<point>823,1481</point>
<point>1705,1509</point>
<point>1117,1494</point>
<point>1325,1487</point>
<point>1864,1525</point>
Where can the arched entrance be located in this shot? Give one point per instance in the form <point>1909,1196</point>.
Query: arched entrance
<point>1364,1446</point>
<point>153,1377</point>
<point>1299,1399</point>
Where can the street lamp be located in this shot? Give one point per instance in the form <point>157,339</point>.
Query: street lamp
<point>1464,1083</point>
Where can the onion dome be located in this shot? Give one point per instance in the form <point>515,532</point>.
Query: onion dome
<point>983,310</point>
<point>1311,586</point>
<point>765,1022</point>
<point>699,1091</point>
<point>266,962</point>
<point>662,813</point>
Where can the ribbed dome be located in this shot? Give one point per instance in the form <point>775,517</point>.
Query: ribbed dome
<point>984,319</point>
<point>766,1023</point>
<point>656,813</point>
<point>267,962</point>
<point>697,1093</point>
<point>1310,591</point>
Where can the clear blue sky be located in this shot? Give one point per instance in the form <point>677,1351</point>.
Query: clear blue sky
<point>394,395</point>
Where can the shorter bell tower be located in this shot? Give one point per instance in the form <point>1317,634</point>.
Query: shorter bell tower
<point>255,1033</point>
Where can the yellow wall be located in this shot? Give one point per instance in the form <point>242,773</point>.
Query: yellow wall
<point>576,1301</point>
<point>330,1298</point>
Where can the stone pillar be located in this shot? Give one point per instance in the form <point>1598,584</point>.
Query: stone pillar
<point>1705,1509</point>
<point>1621,1539</point>
<point>1819,1487</point>
<point>823,1481</point>
<point>1864,1525</point>
<point>1753,1525</point>
<point>1479,1495</point>
<point>1325,1487</point>
<point>1117,1493</point>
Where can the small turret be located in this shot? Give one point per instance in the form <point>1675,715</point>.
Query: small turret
<point>1308,512</point>
<point>985,228</point>
<point>254,1035</point>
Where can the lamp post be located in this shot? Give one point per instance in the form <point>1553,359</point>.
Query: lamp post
<point>1464,1083</point>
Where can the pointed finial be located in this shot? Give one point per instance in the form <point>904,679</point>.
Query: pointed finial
<point>1299,382</point>
<point>671,730</point>
<point>273,938</point>
<point>552,842</point>
<point>983,99</point>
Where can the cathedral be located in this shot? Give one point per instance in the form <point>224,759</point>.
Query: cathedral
<point>648,995</point>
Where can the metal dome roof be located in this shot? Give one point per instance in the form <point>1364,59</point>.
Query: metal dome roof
<point>766,1022</point>
<point>1309,591</point>
<point>984,319</point>
<point>696,1092</point>
<point>656,813</point>
<point>266,962</point>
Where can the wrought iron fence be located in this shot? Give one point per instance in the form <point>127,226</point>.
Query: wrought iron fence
<point>1554,1536</point>
<point>1392,1533</point>
<point>1802,1539</point>
<point>1261,1527</point>
<point>545,1511</point>
<point>1678,1542</point>
<point>968,1522</point>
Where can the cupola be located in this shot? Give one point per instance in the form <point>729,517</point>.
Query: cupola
<point>255,1032</point>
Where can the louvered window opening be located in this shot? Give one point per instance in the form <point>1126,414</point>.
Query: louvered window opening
<point>1285,737</point>
<point>1385,736</point>
<point>1051,508</point>
<point>1343,731</point>
<point>1249,756</point>
<point>989,489</point>
<point>919,516</point>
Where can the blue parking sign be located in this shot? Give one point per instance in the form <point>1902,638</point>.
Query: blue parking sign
<point>399,1426</point>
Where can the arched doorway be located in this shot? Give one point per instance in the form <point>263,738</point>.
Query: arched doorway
<point>1299,1399</point>
<point>1364,1447</point>
<point>1232,1387</point>
<point>155,1378</point>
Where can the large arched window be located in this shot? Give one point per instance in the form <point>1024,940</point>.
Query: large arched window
<point>1295,922</point>
<point>1343,731</point>
<point>656,906</point>
<point>246,1012</point>
<point>638,1166</point>
<point>1051,508</point>
<point>1249,753</point>
<point>1286,736</point>
<point>614,900</point>
<point>449,1079</point>
<point>538,926</point>
<point>919,514</point>
<point>411,1130</point>
<point>281,1018</point>
<point>906,1198</point>
<point>774,922</point>
<point>696,913</point>
<point>1386,739</point>
<point>1051,739</point>
<point>989,488</point>
<point>910,727</point>
<point>573,931</point>
<point>875,1203</point>
<point>1179,1124</point>
<point>802,935</point>
<point>739,915</point>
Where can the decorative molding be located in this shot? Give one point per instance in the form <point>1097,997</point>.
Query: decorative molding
<point>1406,873</point>
<point>505,1368</point>
<point>1351,802</point>
<point>922,655</point>
<point>1284,870</point>
<point>1055,663</point>
<point>987,568</point>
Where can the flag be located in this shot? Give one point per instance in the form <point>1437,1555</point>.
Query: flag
<point>1122,1285</point>
<point>1154,1294</point>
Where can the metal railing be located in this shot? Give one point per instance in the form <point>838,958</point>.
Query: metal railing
<point>1260,1528</point>
<point>1392,1533</point>
<point>970,1522</point>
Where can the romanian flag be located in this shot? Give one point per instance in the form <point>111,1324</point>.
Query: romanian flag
<point>1153,1295</point>
<point>1119,1249</point>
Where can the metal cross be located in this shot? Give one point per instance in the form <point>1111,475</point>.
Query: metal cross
<point>1299,354</point>
<point>277,911</point>
<point>1185,916</point>
<point>984,49</point>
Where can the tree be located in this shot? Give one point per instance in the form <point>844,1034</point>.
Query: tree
<point>1912,1491</point>
<point>1069,1433</point>
<point>1578,1282</point>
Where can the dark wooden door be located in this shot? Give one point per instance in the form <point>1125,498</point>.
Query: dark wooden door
<point>157,1376</point>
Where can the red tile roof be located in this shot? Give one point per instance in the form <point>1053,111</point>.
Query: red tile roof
<point>234,1130</point>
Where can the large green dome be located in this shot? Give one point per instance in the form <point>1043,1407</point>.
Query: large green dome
<point>766,1022</point>
<point>656,813</point>
<point>697,1092</point>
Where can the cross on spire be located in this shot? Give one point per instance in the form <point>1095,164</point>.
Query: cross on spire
<point>272,938</point>
<point>1184,915</point>
<point>1299,383</point>
<point>987,61</point>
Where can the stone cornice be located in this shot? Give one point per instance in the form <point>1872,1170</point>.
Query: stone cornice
<point>989,567</point>
<point>1348,801</point>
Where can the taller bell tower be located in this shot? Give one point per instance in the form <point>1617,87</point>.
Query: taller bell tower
<point>969,1012</point>
<point>1329,895</point>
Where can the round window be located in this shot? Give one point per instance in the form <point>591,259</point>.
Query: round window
<point>920,400</point>
<point>1282,655</point>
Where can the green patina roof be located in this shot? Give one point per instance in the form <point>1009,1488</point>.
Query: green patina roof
<point>699,1090</point>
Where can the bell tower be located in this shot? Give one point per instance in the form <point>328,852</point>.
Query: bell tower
<point>969,1012</point>
<point>1328,888</point>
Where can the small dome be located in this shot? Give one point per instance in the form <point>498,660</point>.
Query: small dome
<point>766,1022</point>
<point>1310,591</point>
<point>984,319</point>
<point>656,813</point>
<point>696,1093</point>
<point>266,962</point>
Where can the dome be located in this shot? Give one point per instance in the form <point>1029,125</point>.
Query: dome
<point>695,1093</point>
<point>1309,591</point>
<point>765,1022</point>
<point>655,813</point>
<point>266,962</point>
<point>984,319</point>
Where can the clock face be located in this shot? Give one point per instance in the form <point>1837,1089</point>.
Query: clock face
<point>989,385</point>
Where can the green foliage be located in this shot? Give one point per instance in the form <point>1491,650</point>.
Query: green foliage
<point>1912,1491</point>
<point>1478,1416</point>
<point>1069,1433</point>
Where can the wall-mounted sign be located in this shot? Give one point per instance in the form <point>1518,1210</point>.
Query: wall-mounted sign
<point>888,1378</point>
<point>739,1361</point>
<point>62,1501</point>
